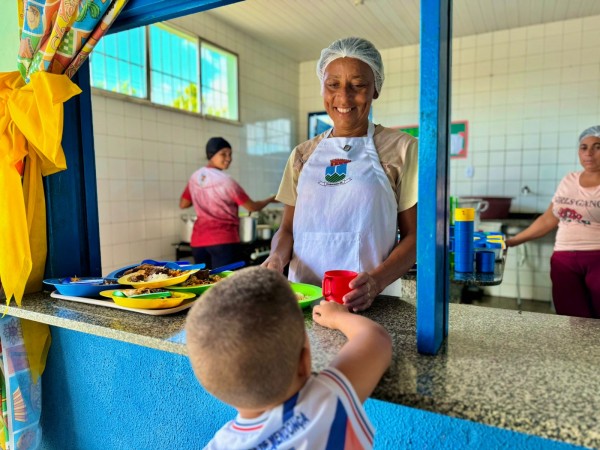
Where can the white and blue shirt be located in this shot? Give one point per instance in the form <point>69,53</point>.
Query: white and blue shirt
<point>325,414</point>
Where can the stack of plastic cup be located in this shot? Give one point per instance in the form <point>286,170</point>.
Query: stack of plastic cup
<point>464,219</point>
<point>484,262</point>
<point>496,247</point>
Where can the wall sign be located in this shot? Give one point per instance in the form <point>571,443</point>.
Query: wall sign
<point>459,133</point>
<point>319,121</point>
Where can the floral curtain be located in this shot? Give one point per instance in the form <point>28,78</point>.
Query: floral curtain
<point>56,37</point>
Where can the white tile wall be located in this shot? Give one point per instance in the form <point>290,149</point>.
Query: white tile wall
<point>527,93</point>
<point>145,154</point>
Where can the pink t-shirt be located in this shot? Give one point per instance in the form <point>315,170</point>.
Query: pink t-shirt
<point>216,197</point>
<point>578,211</point>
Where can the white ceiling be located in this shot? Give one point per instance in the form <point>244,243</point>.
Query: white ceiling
<point>301,28</point>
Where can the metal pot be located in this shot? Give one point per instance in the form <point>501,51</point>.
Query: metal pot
<point>247,229</point>
<point>478,204</point>
<point>187,227</point>
<point>264,232</point>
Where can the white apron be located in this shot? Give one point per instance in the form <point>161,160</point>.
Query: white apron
<point>346,212</point>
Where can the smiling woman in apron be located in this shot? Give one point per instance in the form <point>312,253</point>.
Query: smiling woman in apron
<point>348,191</point>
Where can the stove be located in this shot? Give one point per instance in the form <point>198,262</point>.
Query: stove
<point>253,253</point>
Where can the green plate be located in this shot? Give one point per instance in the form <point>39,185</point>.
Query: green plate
<point>310,292</point>
<point>198,290</point>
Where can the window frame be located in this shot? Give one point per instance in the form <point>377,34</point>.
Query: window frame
<point>237,79</point>
<point>117,94</point>
<point>147,100</point>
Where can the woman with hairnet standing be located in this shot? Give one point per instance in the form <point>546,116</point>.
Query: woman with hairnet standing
<point>575,209</point>
<point>348,191</point>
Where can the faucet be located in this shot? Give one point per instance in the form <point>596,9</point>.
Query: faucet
<point>525,190</point>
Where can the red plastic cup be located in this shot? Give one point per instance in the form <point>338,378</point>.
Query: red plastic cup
<point>335,284</point>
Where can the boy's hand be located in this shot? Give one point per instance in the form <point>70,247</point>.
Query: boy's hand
<point>327,313</point>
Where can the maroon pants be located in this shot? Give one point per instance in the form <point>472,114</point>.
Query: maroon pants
<point>576,283</point>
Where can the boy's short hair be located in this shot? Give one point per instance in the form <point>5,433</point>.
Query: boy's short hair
<point>245,336</point>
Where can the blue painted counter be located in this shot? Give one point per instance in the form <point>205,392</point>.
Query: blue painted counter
<point>121,380</point>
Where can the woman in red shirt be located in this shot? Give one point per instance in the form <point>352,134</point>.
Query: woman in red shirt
<point>216,198</point>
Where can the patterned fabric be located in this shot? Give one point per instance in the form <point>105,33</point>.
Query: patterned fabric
<point>21,390</point>
<point>58,35</point>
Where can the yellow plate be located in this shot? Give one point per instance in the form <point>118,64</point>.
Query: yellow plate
<point>176,299</point>
<point>159,283</point>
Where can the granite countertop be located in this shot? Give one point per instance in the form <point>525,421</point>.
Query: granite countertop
<point>527,372</point>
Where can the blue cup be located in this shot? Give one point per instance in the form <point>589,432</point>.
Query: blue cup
<point>484,261</point>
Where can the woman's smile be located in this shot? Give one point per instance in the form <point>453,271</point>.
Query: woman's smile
<point>348,91</point>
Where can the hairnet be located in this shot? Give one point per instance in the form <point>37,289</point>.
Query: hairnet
<point>591,131</point>
<point>215,144</point>
<point>352,47</point>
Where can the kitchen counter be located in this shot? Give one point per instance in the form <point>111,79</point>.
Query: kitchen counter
<point>527,372</point>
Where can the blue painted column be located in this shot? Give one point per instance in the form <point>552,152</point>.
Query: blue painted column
<point>434,131</point>
<point>71,195</point>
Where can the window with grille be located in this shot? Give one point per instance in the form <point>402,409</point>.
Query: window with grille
<point>118,63</point>
<point>181,71</point>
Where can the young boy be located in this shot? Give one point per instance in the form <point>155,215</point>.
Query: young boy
<point>249,348</point>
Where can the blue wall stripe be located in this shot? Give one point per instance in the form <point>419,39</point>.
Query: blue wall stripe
<point>100,394</point>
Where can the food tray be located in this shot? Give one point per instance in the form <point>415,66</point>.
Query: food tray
<point>110,304</point>
<point>198,289</point>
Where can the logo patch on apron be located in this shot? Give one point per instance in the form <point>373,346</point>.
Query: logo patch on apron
<point>335,173</point>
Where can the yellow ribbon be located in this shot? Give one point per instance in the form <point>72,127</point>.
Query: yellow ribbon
<point>31,125</point>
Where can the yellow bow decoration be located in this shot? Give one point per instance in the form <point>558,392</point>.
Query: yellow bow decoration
<point>31,126</point>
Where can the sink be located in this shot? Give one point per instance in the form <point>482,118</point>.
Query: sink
<point>513,230</point>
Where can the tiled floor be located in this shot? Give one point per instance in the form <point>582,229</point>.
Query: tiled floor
<point>511,303</point>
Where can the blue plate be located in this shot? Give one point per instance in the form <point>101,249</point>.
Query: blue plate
<point>79,288</point>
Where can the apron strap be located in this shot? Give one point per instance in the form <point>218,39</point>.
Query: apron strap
<point>370,131</point>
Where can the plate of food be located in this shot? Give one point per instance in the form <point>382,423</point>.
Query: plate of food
<point>116,274</point>
<point>134,298</point>
<point>81,286</point>
<point>306,293</point>
<point>151,276</point>
<point>200,281</point>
